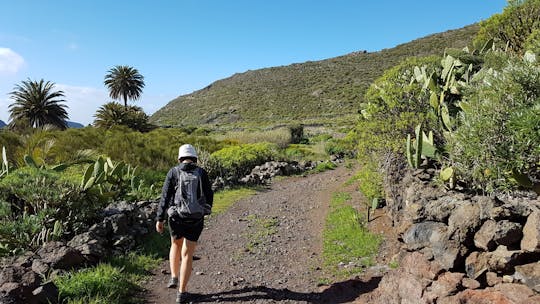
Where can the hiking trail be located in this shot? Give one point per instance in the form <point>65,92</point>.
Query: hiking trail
<point>267,248</point>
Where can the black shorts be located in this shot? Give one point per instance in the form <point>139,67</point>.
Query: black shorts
<point>186,228</point>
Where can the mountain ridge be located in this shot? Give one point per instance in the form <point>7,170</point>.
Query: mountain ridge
<point>327,91</point>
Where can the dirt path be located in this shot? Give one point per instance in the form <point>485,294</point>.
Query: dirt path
<point>267,249</point>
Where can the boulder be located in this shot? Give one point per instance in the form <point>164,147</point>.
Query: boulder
<point>59,256</point>
<point>447,284</point>
<point>477,296</point>
<point>493,233</point>
<point>531,233</point>
<point>483,239</point>
<point>470,283</point>
<point>17,284</point>
<point>46,293</point>
<point>500,260</point>
<point>464,222</point>
<point>516,292</point>
<point>529,274</point>
<point>92,247</point>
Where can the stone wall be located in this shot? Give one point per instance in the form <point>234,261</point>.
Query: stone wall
<point>460,247</point>
<point>123,224</point>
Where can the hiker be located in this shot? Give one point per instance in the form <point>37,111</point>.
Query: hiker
<point>186,198</point>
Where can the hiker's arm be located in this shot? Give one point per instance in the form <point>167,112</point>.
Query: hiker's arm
<point>207,188</point>
<point>167,193</point>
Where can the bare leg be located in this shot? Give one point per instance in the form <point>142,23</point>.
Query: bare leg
<point>188,249</point>
<point>174,256</point>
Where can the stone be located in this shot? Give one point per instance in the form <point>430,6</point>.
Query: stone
<point>513,210</point>
<point>531,300</point>
<point>60,256</point>
<point>493,279</point>
<point>483,239</point>
<point>531,233</point>
<point>470,283</point>
<point>92,247</point>
<point>464,222</point>
<point>478,296</point>
<point>499,260</point>
<point>447,284</point>
<point>47,293</point>
<point>515,292</point>
<point>508,233</point>
<point>529,274</point>
<point>419,235</point>
<point>40,267</point>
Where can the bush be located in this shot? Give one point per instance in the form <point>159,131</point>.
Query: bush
<point>499,128</point>
<point>298,152</point>
<point>370,181</point>
<point>237,161</point>
<point>37,199</point>
<point>513,28</point>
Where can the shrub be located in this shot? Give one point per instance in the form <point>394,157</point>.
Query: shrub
<point>370,181</point>
<point>298,152</point>
<point>237,161</point>
<point>394,106</point>
<point>39,198</point>
<point>499,127</point>
<point>513,27</point>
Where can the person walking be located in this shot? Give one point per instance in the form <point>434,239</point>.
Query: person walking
<point>186,198</point>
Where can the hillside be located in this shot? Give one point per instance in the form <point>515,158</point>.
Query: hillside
<point>326,91</point>
<point>2,124</point>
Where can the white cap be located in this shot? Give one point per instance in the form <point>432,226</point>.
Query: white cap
<point>187,150</point>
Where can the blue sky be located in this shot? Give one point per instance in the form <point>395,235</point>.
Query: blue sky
<point>180,46</point>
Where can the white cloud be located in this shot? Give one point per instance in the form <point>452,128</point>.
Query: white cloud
<point>10,62</point>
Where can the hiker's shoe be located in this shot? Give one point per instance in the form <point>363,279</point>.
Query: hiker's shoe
<point>173,282</point>
<point>183,297</point>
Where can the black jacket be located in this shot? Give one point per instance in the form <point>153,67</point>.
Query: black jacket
<point>169,189</point>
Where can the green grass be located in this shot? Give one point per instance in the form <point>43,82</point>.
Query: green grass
<point>346,239</point>
<point>104,283</point>
<point>324,166</point>
<point>224,199</point>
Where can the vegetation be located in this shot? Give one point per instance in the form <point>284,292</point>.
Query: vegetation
<point>515,29</point>
<point>124,82</point>
<point>473,112</point>
<point>36,104</point>
<point>114,114</point>
<point>328,91</point>
<point>348,246</point>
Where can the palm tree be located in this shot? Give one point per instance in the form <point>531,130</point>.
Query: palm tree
<point>110,114</point>
<point>114,114</point>
<point>36,104</point>
<point>124,82</point>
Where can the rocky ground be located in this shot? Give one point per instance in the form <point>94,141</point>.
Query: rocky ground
<point>267,249</point>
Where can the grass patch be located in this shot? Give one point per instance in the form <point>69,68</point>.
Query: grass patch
<point>226,198</point>
<point>104,283</point>
<point>263,228</point>
<point>348,246</point>
<point>324,166</point>
<point>117,280</point>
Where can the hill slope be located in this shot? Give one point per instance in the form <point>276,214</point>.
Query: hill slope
<point>326,91</point>
<point>2,124</point>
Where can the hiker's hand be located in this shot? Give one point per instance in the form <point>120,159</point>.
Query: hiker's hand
<point>159,227</point>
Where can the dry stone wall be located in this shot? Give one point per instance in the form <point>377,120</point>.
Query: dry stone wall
<point>460,247</point>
